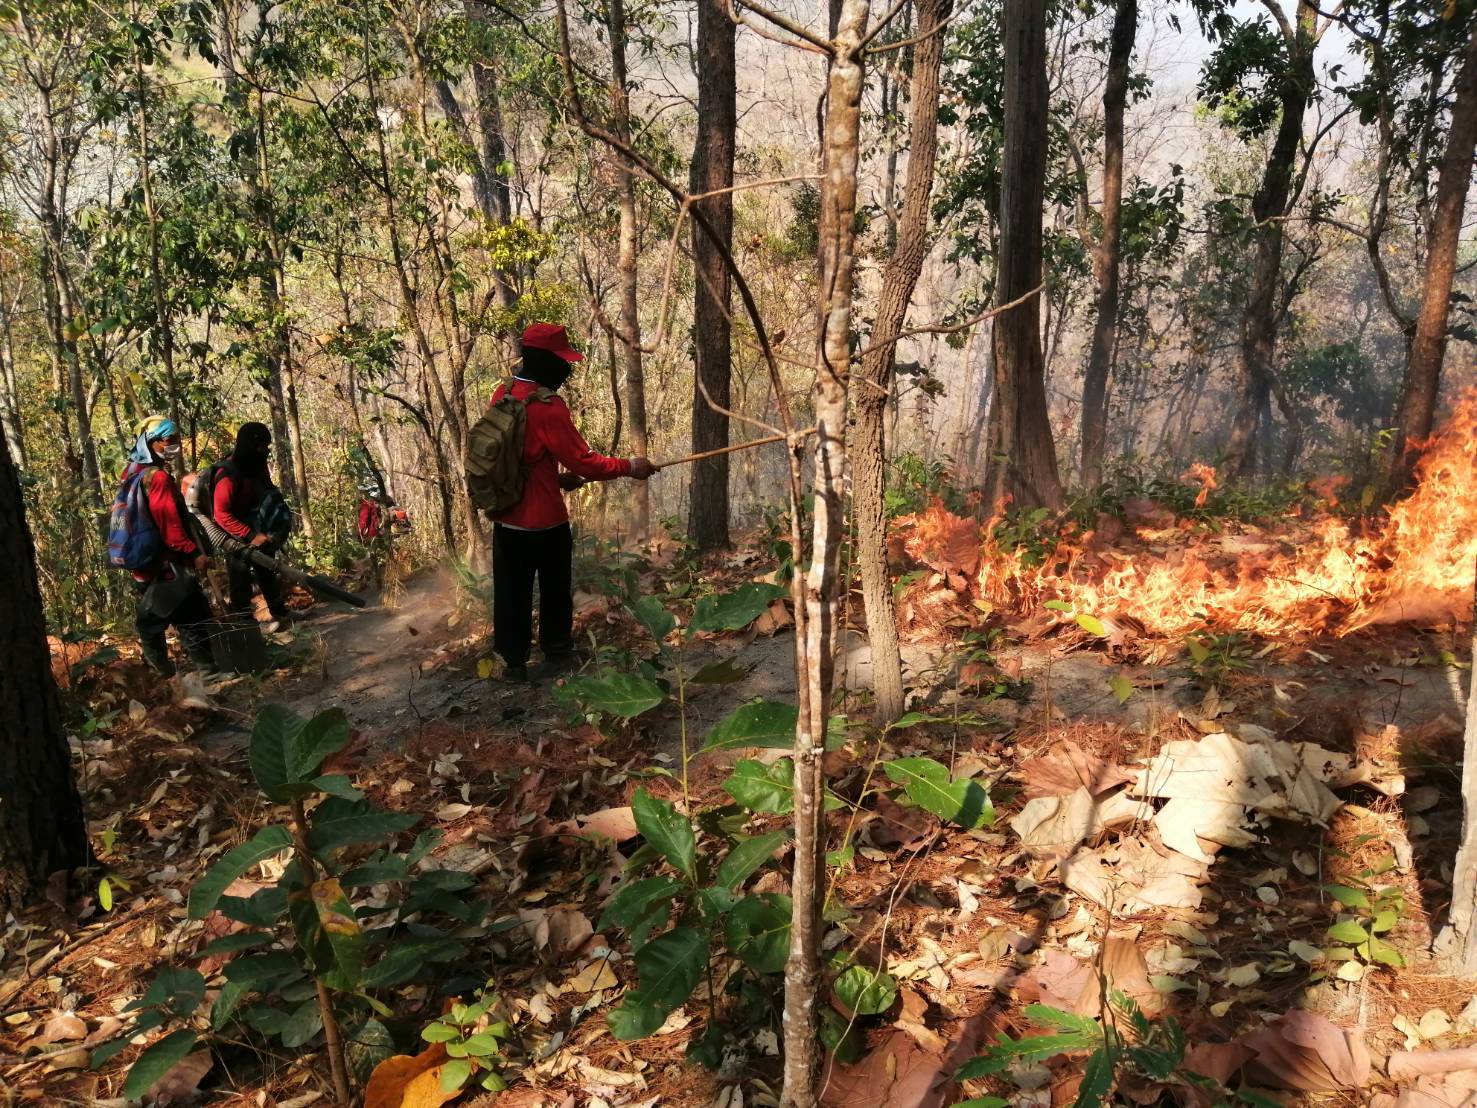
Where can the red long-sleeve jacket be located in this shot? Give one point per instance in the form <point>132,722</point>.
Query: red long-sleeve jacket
<point>232,498</point>
<point>167,508</point>
<point>549,442</point>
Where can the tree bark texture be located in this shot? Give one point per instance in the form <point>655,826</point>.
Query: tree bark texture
<point>41,824</point>
<point>1259,318</point>
<point>1428,350</point>
<point>815,661</point>
<point>490,182</point>
<point>712,169</point>
<point>1456,944</point>
<point>869,454</point>
<point>1109,247</point>
<point>626,264</point>
<point>1023,467</point>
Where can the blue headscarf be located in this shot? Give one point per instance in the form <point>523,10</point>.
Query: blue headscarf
<point>153,428</point>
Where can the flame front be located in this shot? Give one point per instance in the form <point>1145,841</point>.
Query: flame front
<point>1414,564</point>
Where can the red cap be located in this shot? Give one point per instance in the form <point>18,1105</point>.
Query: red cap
<point>553,338</point>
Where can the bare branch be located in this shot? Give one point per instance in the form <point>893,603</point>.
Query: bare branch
<point>784,23</point>
<point>882,24</point>
<point>954,328</point>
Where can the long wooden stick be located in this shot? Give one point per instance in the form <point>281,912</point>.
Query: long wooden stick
<point>727,450</point>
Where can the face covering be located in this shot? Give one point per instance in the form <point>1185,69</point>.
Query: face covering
<point>170,449</point>
<point>155,428</point>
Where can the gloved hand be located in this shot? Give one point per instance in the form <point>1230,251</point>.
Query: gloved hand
<point>571,481</point>
<point>641,468</point>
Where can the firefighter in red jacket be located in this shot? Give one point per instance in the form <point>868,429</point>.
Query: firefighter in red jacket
<point>533,538</point>
<point>168,595</point>
<point>243,486</point>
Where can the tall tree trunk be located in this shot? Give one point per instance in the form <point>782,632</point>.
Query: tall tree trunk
<point>1423,374</point>
<point>815,650</point>
<point>491,181</point>
<point>1456,944</point>
<point>1269,207</point>
<point>162,319</point>
<point>712,169</point>
<point>869,455</point>
<point>10,409</point>
<point>1109,247</point>
<point>41,824</point>
<point>626,268</point>
<point>1023,466</point>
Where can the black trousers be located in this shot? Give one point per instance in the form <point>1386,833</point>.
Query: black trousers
<point>518,557</point>
<point>179,604</point>
<point>241,575</point>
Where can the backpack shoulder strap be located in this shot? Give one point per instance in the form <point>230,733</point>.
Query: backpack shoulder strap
<point>542,395</point>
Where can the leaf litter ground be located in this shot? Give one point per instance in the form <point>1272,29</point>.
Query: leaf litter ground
<point>974,925</point>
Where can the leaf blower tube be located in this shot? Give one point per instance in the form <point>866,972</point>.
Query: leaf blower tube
<point>222,541</point>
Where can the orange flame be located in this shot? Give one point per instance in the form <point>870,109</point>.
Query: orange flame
<point>1414,564</point>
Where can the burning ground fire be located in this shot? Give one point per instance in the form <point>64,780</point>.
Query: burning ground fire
<point>1324,575</point>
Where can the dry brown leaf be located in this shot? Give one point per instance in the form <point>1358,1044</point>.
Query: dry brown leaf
<point>901,1074</point>
<point>62,1028</point>
<point>1130,877</point>
<point>911,1018</point>
<point>1124,966</point>
<point>594,977</point>
<point>1054,825</point>
<point>560,931</point>
<point>1061,981</point>
<point>1270,776</point>
<point>774,619</point>
<point>1067,768</point>
<point>400,1082</point>
<point>1415,1063</point>
<point>1218,1061</point>
<point>1307,1053</point>
<point>896,827</point>
<point>182,1083</point>
<point>618,824</point>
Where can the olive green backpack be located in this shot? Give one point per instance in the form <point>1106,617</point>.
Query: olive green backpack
<point>495,470</point>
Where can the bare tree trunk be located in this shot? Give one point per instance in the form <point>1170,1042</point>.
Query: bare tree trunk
<point>869,454</point>
<point>10,410</point>
<point>626,265</point>
<point>1109,249</point>
<point>41,824</point>
<point>815,652</point>
<point>1269,207</point>
<point>1456,945</point>
<point>712,169</point>
<point>1020,428</point>
<point>1428,351</point>
<point>491,182</point>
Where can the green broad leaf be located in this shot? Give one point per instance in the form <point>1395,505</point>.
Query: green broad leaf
<point>481,1045</point>
<point>409,957</point>
<point>229,998</point>
<point>305,1022</point>
<point>338,823</point>
<point>623,695</point>
<point>454,1075</point>
<point>176,990</point>
<point>716,901</point>
<point>105,895</point>
<point>669,968</point>
<point>1348,932</point>
<point>736,610</point>
<point>763,723</point>
<point>336,784</point>
<point>378,870</point>
<point>266,1019</point>
<point>157,1060</point>
<point>272,753</point>
<point>207,891</point>
<point>1384,921</point>
<point>233,944</point>
<point>258,971</point>
<point>639,907</point>
<point>842,1037</point>
<point>651,614</point>
<point>368,1045</point>
<point>747,856</point>
<point>866,991</point>
<point>1199,652</point>
<point>840,859</point>
<point>927,784</point>
<point>494,1082</point>
<point>340,929</point>
<point>1058,606</point>
<point>1097,1078</point>
<point>440,1033</point>
<point>763,788</point>
<point>757,931</point>
<point>1349,898</point>
<point>1385,954</point>
<point>1122,688</point>
<point>1091,624</point>
<point>326,733</point>
<point>726,672</point>
<point>668,830</point>
<point>103,326</point>
<point>262,908</point>
<point>425,842</point>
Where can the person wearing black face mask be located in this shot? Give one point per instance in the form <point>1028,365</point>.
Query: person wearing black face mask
<point>532,539</point>
<point>246,503</point>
